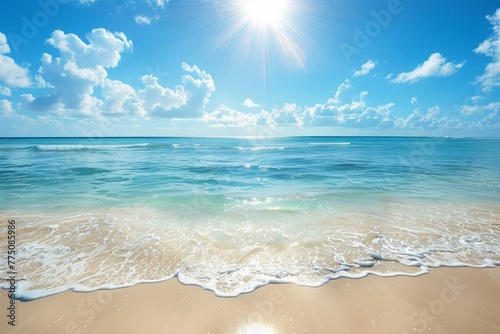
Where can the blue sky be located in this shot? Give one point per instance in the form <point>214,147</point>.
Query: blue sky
<point>249,68</point>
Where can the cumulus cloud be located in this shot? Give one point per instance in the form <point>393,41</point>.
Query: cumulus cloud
<point>491,47</point>
<point>78,70</point>
<point>377,117</point>
<point>435,66</point>
<point>250,104</point>
<point>224,116</point>
<point>289,114</point>
<point>159,99</point>
<point>6,107</point>
<point>429,120</point>
<point>349,109</point>
<point>4,46</point>
<point>479,109</point>
<point>11,74</point>
<point>346,108</point>
<point>120,99</point>
<point>104,48</point>
<point>77,77</point>
<point>490,121</point>
<point>342,94</point>
<point>186,100</point>
<point>81,67</point>
<point>365,68</point>
<point>198,90</point>
<point>5,91</point>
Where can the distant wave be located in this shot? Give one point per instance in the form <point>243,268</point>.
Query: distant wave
<point>224,147</point>
<point>189,146</point>
<point>85,147</point>
<point>328,144</point>
<point>263,148</point>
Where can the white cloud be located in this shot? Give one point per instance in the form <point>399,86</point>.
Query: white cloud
<point>490,121</point>
<point>160,99</point>
<point>79,2</point>
<point>157,3</point>
<point>153,3</point>
<point>104,48</point>
<point>414,100</point>
<point>430,119</point>
<point>82,67</point>
<point>27,98</point>
<point>352,110</point>
<point>10,73</point>
<point>343,90</point>
<point>79,69</point>
<point>289,114</point>
<point>4,46</point>
<point>120,99</point>
<point>5,91</point>
<point>440,123</point>
<point>187,100</point>
<point>377,117</point>
<point>365,68</point>
<point>491,47</point>
<point>250,104</point>
<point>480,109</point>
<point>225,116</point>
<point>476,98</point>
<point>435,66</point>
<point>143,19</point>
<point>6,107</point>
<point>349,110</point>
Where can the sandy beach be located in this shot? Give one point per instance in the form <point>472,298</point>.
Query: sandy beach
<point>447,300</point>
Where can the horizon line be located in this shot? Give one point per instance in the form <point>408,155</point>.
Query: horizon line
<point>245,137</point>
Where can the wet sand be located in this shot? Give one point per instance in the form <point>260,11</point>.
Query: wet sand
<point>447,300</point>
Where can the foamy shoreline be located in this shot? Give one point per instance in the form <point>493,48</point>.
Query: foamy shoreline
<point>447,300</point>
<point>114,249</point>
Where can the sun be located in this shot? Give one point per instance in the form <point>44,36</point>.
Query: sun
<point>265,12</point>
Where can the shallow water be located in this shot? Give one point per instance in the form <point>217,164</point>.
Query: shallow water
<point>232,214</point>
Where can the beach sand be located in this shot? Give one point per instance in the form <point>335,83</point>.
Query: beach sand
<point>447,300</point>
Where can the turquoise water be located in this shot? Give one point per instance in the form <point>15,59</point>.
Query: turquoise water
<point>232,214</point>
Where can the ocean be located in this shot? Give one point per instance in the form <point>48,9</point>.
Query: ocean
<point>233,214</point>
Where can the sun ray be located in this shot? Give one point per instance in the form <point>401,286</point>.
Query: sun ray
<point>265,12</point>
<point>266,35</point>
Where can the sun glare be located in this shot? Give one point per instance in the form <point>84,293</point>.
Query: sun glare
<point>268,29</point>
<point>265,11</point>
<point>257,329</point>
